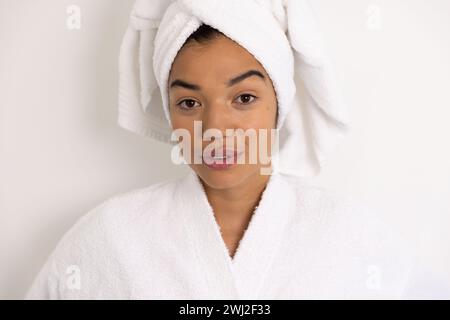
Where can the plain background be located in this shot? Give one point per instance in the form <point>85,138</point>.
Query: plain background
<point>62,153</point>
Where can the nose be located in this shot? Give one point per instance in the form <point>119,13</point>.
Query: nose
<point>217,116</point>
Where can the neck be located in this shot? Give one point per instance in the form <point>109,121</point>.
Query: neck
<point>234,207</point>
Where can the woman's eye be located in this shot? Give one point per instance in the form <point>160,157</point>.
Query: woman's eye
<point>246,98</point>
<point>187,104</point>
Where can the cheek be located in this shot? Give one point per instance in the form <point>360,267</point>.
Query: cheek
<point>264,122</point>
<point>186,127</point>
<point>263,116</point>
<point>179,121</point>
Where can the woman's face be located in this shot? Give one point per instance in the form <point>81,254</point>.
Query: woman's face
<point>210,90</point>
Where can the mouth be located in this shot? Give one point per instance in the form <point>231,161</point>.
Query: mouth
<point>219,162</point>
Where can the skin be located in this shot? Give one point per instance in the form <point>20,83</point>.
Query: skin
<point>234,192</point>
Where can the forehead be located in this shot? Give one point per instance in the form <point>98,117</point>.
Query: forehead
<point>220,57</point>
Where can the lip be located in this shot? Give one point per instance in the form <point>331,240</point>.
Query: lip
<point>224,163</point>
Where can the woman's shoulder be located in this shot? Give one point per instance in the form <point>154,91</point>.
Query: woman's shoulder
<point>350,229</point>
<point>351,219</point>
<point>127,205</point>
<point>323,202</point>
<point>338,210</point>
<point>115,216</point>
<point>101,231</point>
<point>99,234</point>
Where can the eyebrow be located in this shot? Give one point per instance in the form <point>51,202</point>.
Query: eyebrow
<point>231,82</point>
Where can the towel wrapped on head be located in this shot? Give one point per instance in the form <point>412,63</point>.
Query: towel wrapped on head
<point>311,116</point>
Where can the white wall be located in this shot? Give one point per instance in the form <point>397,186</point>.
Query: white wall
<point>61,152</point>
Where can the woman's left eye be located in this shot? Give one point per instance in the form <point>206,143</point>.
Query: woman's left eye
<point>247,98</point>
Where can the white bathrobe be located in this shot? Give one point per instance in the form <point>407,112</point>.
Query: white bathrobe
<point>163,242</point>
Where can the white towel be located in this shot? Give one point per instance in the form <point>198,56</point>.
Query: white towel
<point>312,118</point>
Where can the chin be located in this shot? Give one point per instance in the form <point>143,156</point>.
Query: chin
<point>221,179</point>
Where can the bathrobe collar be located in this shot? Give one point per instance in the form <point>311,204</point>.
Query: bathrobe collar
<point>241,277</point>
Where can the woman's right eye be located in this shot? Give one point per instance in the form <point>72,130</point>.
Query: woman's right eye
<point>187,104</point>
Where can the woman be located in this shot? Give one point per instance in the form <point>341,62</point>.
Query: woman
<point>228,229</point>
